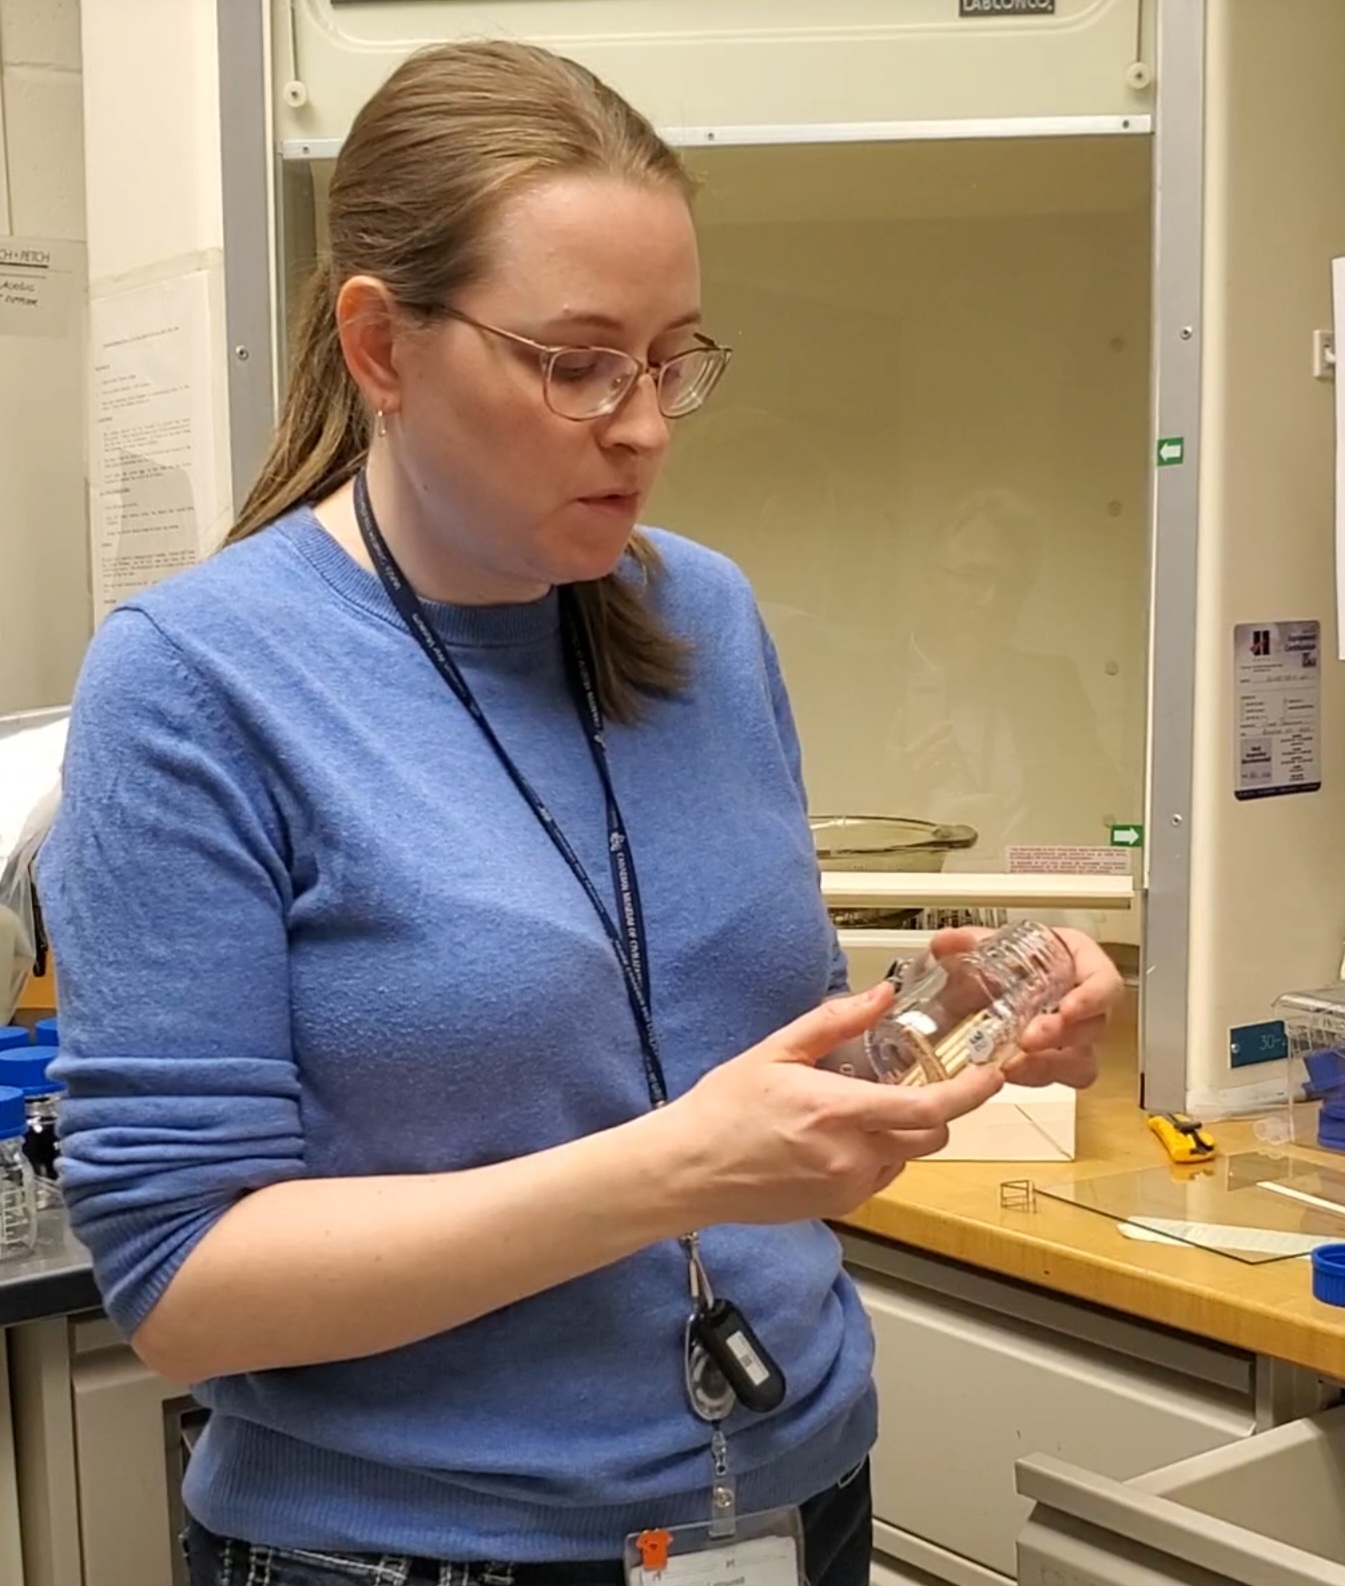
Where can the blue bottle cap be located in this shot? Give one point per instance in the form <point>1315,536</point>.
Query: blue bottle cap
<point>1328,1274</point>
<point>1326,1074</point>
<point>46,1032</point>
<point>13,1117</point>
<point>12,1035</point>
<point>27,1071</point>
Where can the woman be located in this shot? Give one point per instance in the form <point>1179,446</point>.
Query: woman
<point>415,851</point>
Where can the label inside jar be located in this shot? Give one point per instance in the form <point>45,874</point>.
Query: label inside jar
<point>983,1039</point>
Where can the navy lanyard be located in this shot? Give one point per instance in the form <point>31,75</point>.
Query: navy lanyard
<point>628,940</point>
<point>718,1331</point>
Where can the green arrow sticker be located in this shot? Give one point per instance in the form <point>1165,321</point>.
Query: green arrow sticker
<point>1171,451</point>
<point>1131,836</point>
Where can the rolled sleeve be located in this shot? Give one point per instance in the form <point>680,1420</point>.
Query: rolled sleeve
<point>166,893</point>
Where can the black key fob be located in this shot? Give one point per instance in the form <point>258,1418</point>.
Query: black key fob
<point>725,1336</point>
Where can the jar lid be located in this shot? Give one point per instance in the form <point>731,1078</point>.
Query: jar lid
<point>13,1035</point>
<point>13,1116</point>
<point>27,1071</point>
<point>1328,1274</point>
<point>46,1032</point>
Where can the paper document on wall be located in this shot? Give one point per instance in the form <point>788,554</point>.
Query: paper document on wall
<point>1338,302</point>
<point>155,501</point>
<point>1277,685</point>
<point>39,282</point>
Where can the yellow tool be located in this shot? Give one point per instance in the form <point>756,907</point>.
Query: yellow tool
<point>1185,1139</point>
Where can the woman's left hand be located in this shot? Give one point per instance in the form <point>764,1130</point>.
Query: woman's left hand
<point>1061,1047</point>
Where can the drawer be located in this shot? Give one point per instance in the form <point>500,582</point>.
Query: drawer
<point>1269,1511</point>
<point>99,1439</point>
<point>965,1391</point>
<point>885,1572</point>
<point>11,1559</point>
<point>128,1462</point>
<point>911,1561</point>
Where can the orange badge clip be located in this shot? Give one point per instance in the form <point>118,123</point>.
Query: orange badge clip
<point>653,1546</point>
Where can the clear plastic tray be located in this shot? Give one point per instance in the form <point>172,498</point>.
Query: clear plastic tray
<point>1254,1206</point>
<point>1312,1109</point>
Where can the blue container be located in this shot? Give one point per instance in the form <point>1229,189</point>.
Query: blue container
<point>1331,1127</point>
<point>46,1032</point>
<point>12,1036</point>
<point>27,1071</point>
<point>1328,1274</point>
<point>13,1115</point>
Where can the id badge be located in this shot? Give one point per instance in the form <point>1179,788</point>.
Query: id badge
<point>766,1549</point>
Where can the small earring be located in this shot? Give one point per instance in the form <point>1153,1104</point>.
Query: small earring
<point>380,424</point>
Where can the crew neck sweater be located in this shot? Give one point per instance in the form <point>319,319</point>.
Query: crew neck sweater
<point>306,926</point>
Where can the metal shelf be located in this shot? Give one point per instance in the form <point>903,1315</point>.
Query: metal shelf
<point>917,889</point>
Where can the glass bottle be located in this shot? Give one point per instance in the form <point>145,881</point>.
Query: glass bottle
<point>970,1007</point>
<point>27,1071</point>
<point>18,1204</point>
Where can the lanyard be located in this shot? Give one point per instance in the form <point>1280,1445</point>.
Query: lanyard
<point>724,1360</point>
<point>628,940</point>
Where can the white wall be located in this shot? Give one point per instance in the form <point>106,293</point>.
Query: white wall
<point>151,97</point>
<point>156,275</point>
<point>44,602</point>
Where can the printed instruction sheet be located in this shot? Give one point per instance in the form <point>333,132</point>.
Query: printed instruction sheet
<point>1278,694</point>
<point>154,494</point>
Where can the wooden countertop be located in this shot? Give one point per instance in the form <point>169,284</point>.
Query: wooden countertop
<point>953,1209</point>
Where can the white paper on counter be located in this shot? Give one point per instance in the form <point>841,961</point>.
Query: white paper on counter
<point>1021,1123</point>
<point>1221,1236</point>
<point>155,501</point>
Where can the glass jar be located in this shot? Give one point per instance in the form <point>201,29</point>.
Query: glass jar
<point>27,1071</point>
<point>970,1007</point>
<point>18,1202</point>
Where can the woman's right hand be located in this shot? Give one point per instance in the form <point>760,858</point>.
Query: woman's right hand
<point>768,1138</point>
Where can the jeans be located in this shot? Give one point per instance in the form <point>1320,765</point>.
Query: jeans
<point>837,1530</point>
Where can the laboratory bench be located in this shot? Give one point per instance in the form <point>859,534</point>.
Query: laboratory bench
<point>56,1280</point>
<point>954,1211</point>
<point>1003,1333</point>
<point>1014,1327</point>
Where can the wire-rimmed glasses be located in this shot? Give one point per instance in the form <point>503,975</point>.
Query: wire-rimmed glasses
<point>582,383</point>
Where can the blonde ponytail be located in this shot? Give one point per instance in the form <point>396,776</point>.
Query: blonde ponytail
<point>323,435</point>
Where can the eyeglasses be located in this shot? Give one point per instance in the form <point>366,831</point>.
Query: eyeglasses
<point>590,382</point>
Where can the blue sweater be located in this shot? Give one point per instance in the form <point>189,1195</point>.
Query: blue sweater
<point>305,926</point>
